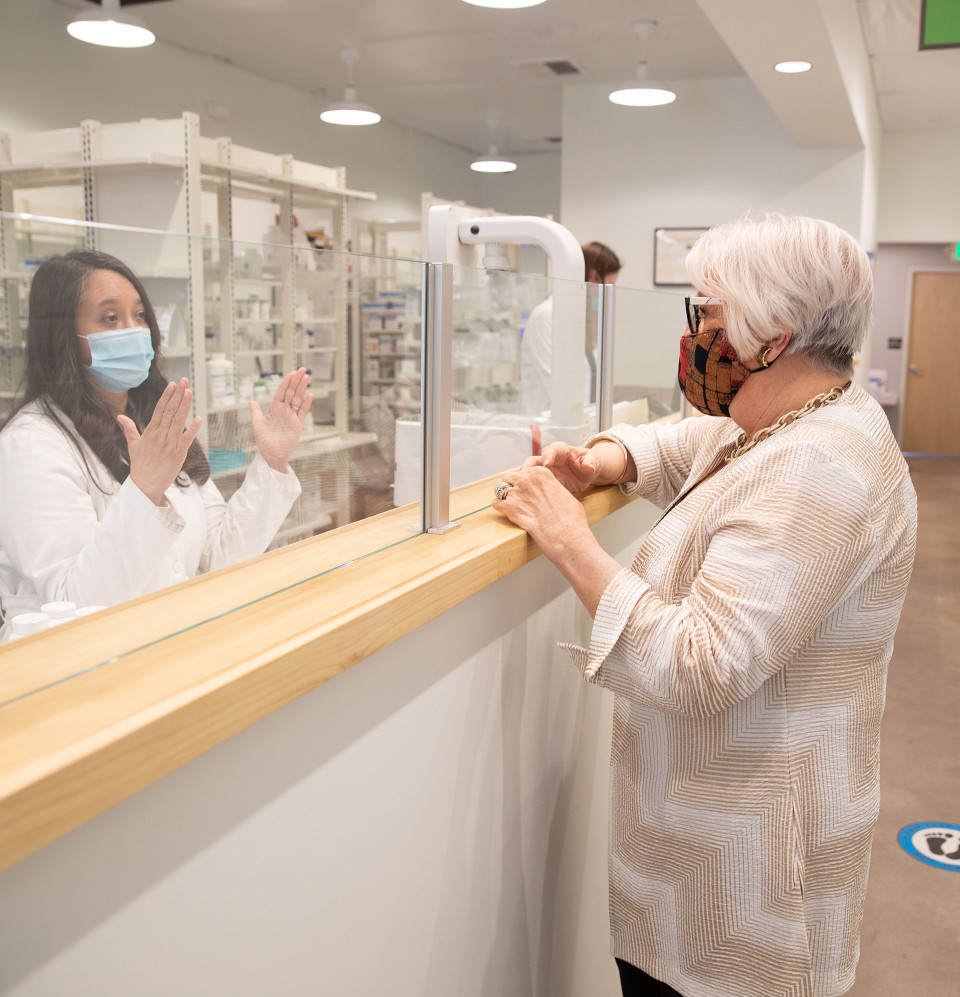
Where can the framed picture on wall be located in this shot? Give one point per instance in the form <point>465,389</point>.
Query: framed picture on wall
<point>670,248</point>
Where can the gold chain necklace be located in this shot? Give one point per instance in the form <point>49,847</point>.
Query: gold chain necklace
<point>827,398</point>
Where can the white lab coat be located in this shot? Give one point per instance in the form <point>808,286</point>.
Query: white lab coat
<point>536,356</point>
<point>64,538</point>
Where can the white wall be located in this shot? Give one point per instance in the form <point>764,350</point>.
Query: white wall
<point>49,80</point>
<point>846,35</point>
<point>918,187</point>
<point>430,823</point>
<point>532,189</point>
<point>714,153</point>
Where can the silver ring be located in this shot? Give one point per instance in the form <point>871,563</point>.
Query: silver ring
<point>501,490</point>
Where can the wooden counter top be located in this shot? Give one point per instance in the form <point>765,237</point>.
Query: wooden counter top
<point>99,708</point>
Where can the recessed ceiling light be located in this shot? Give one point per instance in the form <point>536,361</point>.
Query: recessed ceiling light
<point>109,26</point>
<point>797,66</point>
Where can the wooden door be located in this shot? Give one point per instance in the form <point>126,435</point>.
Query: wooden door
<point>931,407</point>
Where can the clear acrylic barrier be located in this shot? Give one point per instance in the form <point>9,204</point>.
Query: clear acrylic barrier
<point>646,348</point>
<point>232,317</point>
<point>523,373</point>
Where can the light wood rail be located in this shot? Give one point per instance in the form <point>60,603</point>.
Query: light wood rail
<point>101,707</point>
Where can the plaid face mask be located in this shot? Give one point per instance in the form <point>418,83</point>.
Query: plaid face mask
<point>710,371</point>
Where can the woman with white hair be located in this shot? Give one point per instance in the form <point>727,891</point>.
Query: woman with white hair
<point>747,644</point>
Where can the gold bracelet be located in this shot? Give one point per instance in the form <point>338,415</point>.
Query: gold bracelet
<point>599,438</point>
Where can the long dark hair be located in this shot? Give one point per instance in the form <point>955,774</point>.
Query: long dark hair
<point>56,377</point>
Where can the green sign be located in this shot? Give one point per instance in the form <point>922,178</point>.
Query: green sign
<point>940,24</point>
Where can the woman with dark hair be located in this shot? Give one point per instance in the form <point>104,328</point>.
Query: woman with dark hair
<point>105,492</point>
<point>600,266</point>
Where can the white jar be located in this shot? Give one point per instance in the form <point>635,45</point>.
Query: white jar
<point>219,381</point>
<point>27,623</point>
<point>59,612</point>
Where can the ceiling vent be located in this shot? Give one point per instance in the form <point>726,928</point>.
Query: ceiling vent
<point>562,67</point>
<point>549,69</point>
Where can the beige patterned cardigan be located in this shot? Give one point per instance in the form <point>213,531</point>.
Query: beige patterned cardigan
<point>747,647</point>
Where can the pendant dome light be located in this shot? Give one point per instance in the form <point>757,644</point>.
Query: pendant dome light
<point>493,162</point>
<point>504,4</point>
<point>641,95</point>
<point>349,111</point>
<point>108,25</point>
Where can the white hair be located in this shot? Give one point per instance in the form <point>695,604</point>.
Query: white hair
<point>779,273</point>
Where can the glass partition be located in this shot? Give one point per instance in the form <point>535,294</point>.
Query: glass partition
<point>523,372</point>
<point>647,326</point>
<point>237,320</point>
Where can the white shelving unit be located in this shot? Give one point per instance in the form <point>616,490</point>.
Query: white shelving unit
<point>267,307</point>
<point>162,174</point>
<point>387,330</point>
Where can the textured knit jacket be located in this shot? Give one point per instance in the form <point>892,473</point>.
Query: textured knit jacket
<point>747,647</point>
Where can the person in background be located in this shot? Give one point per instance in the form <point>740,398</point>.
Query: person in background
<point>601,266</point>
<point>105,492</point>
<point>747,644</point>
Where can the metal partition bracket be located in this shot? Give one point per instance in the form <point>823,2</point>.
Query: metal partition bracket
<point>605,325</point>
<point>562,249</point>
<point>435,397</point>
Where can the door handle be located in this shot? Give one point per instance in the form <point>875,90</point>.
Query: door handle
<point>914,369</point>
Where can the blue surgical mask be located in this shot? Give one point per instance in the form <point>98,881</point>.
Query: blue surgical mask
<point>120,359</point>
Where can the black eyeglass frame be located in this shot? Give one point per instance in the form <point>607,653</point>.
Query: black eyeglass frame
<point>693,306</point>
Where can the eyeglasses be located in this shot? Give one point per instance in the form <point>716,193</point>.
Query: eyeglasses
<point>695,313</point>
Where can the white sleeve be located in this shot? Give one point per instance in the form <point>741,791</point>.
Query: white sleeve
<point>535,358</point>
<point>244,526</point>
<point>53,533</point>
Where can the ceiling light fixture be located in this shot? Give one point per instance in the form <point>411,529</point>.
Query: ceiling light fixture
<point>798,66</point>
<point>493,162</point>
<point>642,96</point>
<point>349,111</point>
<point>107,25</point>
<point>503,4</point>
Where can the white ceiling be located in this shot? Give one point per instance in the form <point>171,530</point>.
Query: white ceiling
<point>472,75</point>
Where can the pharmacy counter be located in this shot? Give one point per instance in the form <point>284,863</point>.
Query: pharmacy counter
<point>99,708</point>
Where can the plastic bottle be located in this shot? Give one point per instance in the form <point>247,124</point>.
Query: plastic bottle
<point>59,612</point>
<point>220,380</point>
<point>27,623</point>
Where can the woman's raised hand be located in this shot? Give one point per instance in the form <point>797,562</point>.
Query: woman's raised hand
<point>574,467</point>
<point>277,432</point>
<point>157,454</point>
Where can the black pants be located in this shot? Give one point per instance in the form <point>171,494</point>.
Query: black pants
<point>635,983</point>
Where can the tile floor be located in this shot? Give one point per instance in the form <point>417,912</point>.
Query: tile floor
<point>910,943</point>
